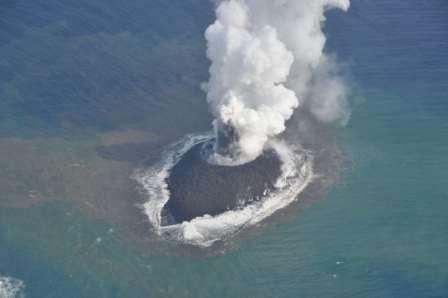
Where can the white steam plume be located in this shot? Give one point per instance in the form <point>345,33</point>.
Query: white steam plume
<point>267,57</point>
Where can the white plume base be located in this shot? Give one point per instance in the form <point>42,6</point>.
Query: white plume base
<point>297,173</point>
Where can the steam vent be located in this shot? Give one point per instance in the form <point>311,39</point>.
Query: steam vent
<point>198,188</point>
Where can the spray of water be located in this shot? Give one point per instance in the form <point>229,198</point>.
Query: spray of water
<point>11,287</point>
<point>267,58</point>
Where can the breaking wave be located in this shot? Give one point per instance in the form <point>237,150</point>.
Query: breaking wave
<point>296,174</point>
<point>11,287</point>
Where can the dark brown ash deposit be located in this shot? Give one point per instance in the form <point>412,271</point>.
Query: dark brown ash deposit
<point>198,188</point>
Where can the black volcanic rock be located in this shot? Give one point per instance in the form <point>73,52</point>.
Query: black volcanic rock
<point>198,188</point>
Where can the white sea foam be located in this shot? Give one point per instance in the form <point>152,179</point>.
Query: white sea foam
<point>11,287</point>
<point>297,173</point>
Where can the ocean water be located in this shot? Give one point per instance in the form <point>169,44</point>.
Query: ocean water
<point>89,90</point>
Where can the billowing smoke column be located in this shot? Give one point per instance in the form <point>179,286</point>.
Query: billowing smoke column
<point>267,58</point>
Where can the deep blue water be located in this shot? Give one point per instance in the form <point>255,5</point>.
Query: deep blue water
<point>75,68</point>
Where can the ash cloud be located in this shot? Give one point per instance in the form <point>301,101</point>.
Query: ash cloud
<point>267,59</point>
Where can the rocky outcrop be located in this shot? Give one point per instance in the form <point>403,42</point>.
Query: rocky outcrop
<point>198,188</point>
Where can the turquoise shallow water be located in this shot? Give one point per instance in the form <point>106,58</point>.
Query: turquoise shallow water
<point>380,231</point>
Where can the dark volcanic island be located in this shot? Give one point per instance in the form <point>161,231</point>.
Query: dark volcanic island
<point>198,188</point>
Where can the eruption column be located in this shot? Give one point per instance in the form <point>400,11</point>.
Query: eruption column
<point>267,57</point>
